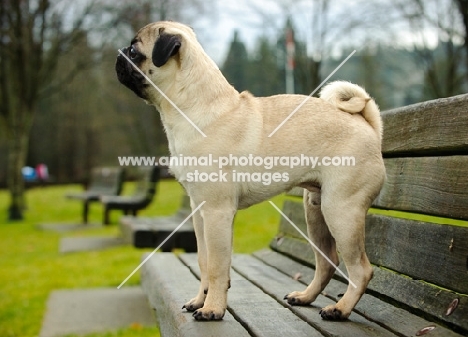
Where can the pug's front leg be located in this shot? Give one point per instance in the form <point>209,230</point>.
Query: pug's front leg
<point>197,302</point>
<point>218,239</point>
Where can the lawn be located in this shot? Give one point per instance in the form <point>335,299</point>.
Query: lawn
<point>31,267</point>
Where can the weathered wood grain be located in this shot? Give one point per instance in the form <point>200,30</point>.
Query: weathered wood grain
<point>168,283</point>
<point>395,319</point>
<point>435,253</point>
<point>421,250</point>
<point>260,313</point>
<point>294,210</point>
<point>422,297</point>
<point>432,252</point>
<point>433,127</point>
<point>430,185</point>
<point>277,284</point>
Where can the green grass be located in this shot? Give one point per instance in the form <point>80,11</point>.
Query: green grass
<point>420,217</point>
<point>31,267</point>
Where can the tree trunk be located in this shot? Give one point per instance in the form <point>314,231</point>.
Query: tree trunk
<point>463,7</point>
<point>18,142</point>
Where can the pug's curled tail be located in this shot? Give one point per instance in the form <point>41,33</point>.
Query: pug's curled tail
<point>353,99</point>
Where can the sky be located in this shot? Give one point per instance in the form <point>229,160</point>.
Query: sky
<point>350,23</point>
<point>266,17</point>
<point>229,16</point>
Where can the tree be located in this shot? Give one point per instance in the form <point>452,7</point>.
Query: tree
<point>441,64</point>
<point>33,37</point>
<point>236,63</point>
<point>263,73</point>
<point>463,7</point>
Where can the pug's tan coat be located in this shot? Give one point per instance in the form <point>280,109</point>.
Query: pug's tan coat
<point>345,121</point>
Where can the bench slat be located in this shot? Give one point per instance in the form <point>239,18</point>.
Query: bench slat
<point>142,196</point>
<point>294,210</point>
<point>387,315</point>
<point>434,127</point>
<point>152,233</point>
<point>149,232</point>
<point>262,315</point>
<point>435,253</point>
<point>418,249</point>
<point>430,185</point>
<point>168,283</point>
<point>277,284</point>
<point>416,294</point>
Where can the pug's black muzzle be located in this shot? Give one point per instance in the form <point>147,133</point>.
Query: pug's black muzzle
<point>129,76</point>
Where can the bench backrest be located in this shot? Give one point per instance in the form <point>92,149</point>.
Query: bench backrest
<point>420,263</point>
<point>184,209</point>
<point>106,180</point>
<point>146,183</point>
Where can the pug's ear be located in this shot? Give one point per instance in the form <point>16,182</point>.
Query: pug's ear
<point>166,46</point>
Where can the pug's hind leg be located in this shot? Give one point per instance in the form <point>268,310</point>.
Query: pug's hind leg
<point>198,301</point>
<point>346,220</point>
<point>320,235</point>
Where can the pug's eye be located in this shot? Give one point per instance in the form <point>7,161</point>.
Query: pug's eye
<point>132,53</point>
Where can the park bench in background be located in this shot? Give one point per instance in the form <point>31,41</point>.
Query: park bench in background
<point>104,181</point>
<point>420,279</point>
<point>140,199</point>
<point>150,232</point>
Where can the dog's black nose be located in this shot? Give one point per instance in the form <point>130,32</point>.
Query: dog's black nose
<point>123,50</point>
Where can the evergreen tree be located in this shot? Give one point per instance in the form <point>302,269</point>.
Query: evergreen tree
<point>235,66</point>
<point>264,77</point>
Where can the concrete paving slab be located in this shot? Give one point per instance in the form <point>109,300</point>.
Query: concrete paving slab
<point>80,244</point>
<point>85,311</point>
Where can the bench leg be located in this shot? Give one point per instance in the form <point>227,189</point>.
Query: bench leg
<point>106,212</point>
<point>85,211</point>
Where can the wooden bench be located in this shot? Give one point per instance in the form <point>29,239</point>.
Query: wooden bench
<point>150,232</point>
<point>142,196</point>
<point>420,282</point>
<point>104,181</point>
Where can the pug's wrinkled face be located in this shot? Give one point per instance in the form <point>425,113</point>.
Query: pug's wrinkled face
<point>155,50</point>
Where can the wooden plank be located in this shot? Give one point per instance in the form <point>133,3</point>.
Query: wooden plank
<point>397,320</point>
<point>434,127</point>
<point>416,294</point>
<point>261,314</point>
<point>168,283</point>
<point>430,185</point>
<point>277,284</point>
<point>421,297</point>
<point>294,210</point>
<point>301,251</point>
<point>435,253</point>
<point>152,233</point>
<point>151,236</point>
<point>296,248</point>
<point>296,192</point>
<point>149,232</point>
